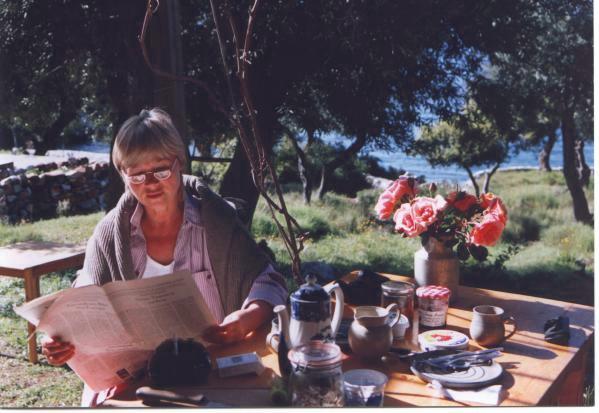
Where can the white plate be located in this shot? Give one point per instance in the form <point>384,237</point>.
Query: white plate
<point>475,376</point>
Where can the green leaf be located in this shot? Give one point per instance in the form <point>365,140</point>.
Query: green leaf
<point>479,253</point>
<point>451,243</point>
<point>463,252</point>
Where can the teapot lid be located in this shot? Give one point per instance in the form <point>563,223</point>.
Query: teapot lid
<point>310,291</point>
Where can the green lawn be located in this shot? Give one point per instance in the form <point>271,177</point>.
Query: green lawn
<point>543,252</point>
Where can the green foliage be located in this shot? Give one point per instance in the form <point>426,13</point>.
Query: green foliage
<point>467,140</point>
<point>521,229</point>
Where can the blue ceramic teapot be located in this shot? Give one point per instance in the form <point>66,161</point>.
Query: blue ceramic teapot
<point>311,313</point>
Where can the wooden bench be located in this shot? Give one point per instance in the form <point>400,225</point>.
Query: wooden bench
<point>32,259</point>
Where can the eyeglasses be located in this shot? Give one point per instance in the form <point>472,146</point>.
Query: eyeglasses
<point>160,174</point>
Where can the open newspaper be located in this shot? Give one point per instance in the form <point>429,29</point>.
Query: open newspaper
<point>116,327</point>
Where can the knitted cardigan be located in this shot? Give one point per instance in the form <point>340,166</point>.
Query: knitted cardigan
<point>235,257</point>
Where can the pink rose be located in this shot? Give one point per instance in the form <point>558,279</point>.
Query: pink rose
<point>405,222</point>
<point>401,188</point>
<point>461,200</point>
<point>488,231</point>
<point>425,210</point>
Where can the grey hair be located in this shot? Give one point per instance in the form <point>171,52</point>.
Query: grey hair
<point>146,136</point>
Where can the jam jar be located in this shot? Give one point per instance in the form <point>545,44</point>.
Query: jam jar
<point>401,293</point>
<point>433,303</point>
<point>316,378</point>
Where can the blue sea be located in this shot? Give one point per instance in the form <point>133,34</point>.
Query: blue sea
<point>417,165</point>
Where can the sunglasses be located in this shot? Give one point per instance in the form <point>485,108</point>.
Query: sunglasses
<point>161,174</point>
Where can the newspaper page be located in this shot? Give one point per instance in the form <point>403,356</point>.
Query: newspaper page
<point>116,327</point>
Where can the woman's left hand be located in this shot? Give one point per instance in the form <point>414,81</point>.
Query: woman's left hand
<point>237,325</point>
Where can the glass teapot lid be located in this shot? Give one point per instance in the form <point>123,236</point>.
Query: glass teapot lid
<point>310,291</point>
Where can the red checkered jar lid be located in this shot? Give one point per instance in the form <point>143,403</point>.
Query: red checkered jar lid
<point>433,292</point>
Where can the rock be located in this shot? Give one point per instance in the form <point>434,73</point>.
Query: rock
<point>378,183</point>
<point>324,272</point>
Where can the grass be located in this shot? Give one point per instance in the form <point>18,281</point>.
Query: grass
<point>543,252</point>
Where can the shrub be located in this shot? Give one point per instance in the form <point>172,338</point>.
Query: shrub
<point>521,229</point>
<point>263,226</point>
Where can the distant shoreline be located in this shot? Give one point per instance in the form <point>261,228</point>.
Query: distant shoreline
<point>377,182</point>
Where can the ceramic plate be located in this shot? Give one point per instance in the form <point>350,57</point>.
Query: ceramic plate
<point>475,376</point>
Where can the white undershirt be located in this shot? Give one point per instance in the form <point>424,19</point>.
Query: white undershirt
<point>155,269</point>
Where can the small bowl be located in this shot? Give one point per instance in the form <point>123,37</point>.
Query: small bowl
<point>364,387</point>
<point>399,329</point>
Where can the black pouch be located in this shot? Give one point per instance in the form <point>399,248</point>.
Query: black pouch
<point>557,330</point>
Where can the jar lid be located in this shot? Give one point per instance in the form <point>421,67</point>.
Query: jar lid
<point>316,354</point>
<point>398,287</point>
<point>435,292</point>
<point>442,339</point>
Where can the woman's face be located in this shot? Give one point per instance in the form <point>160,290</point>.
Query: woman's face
<point>155,193</point>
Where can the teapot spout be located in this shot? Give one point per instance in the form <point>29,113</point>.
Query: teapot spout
<point>283,315</point>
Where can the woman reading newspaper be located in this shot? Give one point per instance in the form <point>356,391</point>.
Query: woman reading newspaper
<point>167,221</point>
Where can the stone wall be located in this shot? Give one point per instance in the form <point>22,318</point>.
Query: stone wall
<point>72,187</point>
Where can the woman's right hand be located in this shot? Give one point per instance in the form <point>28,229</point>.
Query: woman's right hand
<point>56,351</point>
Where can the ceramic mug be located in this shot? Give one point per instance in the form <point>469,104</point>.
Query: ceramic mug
<point>488,325</point>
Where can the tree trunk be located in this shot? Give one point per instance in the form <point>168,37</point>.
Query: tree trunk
<point>302,165</point>
<point>238,183</point>
<point>583,170</point>
<point>165,48</point>
<point>344,156</point>
<point>581,207</point>
<point>488,176</point>
<point>545,154</point>
<point>51,136</point>
<point>473,180</point>
<point>118,90</point>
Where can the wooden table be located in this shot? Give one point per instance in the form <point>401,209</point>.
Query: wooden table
<point>536,373</point>
<point>32,259</point>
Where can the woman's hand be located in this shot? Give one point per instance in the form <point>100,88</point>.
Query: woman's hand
<point>237,325</point>
<point>56,351</point>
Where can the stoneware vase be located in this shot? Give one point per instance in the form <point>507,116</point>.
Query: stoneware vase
<point>435,264</point>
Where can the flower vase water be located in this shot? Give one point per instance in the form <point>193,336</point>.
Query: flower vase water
<point>437,264</point>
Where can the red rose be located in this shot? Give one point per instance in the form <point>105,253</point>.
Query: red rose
<point>461,201</point>
<point>488,231</point>
<point>401,188</point>
<point>492,204</point>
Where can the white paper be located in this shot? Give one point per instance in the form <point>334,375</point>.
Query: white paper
<point>490,395</point>
<point>116,327</point>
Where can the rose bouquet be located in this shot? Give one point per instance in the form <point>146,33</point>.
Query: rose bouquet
<point>458,219</point>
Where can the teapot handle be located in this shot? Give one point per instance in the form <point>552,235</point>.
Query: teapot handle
<point>339,303</point>
<point>393,308</point>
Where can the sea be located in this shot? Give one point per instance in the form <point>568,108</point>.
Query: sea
<point>417,165</point>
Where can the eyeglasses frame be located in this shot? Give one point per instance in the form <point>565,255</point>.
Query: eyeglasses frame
<point>129,178</point>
